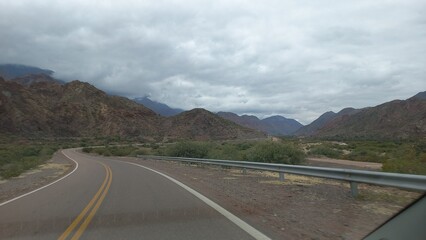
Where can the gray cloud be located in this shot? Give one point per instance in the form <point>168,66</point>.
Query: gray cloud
<point>295,58</point>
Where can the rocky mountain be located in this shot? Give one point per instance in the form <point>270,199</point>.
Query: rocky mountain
<point>10,71</point>
<point>420,96</point>
<point>197,124</point>
<point>275,125</point>
<point>279,125</point>
<point>159,108</point>
<point>78,109</point>
<point>71,110</point>
<point>398,119</point>
<point>324,119</point>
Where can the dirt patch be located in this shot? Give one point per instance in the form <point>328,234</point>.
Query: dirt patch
<point>299,208</point>
<point>340,163</point>
<point>32,179</point>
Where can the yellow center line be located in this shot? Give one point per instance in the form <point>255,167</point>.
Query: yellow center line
<point>104,188</point>
<point>94,210</point>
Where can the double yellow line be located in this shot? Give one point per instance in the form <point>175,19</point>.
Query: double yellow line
<point>95,203</point>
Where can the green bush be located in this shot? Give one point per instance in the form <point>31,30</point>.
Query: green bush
<point>87,150</point>
<point>273,152</point>
<point>188,149</point>
<point>405,166</point>
<point>15,159</point>
<point>327,151</point>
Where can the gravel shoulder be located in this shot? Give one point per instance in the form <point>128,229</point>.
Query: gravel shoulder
<point>299,208</point>
<point>32,179</point>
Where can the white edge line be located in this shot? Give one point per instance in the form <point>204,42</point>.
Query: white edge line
<point>45,186</point>
<point>240,223</point>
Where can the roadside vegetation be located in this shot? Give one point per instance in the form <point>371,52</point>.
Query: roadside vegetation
<point>15,159</point>
<point>17,156</point>
<point>260,151</point>
<point>396,156</point>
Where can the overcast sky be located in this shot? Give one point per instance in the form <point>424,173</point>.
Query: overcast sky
<point>295,58</point>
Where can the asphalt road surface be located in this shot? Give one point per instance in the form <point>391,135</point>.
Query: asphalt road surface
<point>108,199</point>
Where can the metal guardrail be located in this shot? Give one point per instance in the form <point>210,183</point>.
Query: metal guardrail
<point>404,181</point>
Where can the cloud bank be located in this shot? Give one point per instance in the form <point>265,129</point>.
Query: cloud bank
<point>294,58</point>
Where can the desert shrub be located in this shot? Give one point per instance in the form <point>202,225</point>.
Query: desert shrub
<point>405,166</point>
<point>188,149</point>
<point>365,155</point>
<point>137,152</point>
<point>322,150</point>
<point>273,152</point>
<point>87,150</point>
<point>15,159</point>
<point>121,150</point>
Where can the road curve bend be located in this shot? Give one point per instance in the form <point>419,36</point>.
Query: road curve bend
<point>109,199</point>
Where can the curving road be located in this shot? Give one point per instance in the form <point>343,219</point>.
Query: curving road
<point>108,199</point>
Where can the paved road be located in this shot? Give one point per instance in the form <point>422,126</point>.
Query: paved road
<point>108,199</point>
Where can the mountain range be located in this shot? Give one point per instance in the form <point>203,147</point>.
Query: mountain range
<point>33,103</point>
<point>398,119</point>
<point>275,125</point>
<point>78,109</point>
<point>10,71</point>
<point>159,108</point>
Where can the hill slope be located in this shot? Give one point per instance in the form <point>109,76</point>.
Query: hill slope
<point>78,109</point>
<point>395,119</point>
<point>70,110</point>
<point>312,128</point>
<point>198,124</point>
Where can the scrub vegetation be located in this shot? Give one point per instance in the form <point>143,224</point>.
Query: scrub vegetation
<point>15,159</point>
<point>258,151</point>
<point>17,156</point>
<point>396,156</point>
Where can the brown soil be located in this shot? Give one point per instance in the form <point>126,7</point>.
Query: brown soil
<point>340,163</point>
<point>299,208</point>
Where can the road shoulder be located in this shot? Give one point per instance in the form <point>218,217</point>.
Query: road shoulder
<point>53,169</point>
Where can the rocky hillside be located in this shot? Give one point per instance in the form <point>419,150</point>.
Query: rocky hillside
<point>198,124</point>
<point>77,109</point>
<point>398,119</point>
<point>312,128</point>
<point>275,125</point>
<point>70,110</point>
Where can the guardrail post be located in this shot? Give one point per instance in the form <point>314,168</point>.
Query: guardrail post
<point>244,171</point>
<point>281,176</point>
<point>354,189</point>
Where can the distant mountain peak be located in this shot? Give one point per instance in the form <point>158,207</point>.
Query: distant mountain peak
<point>33,78</point>
<point>10,71</point>
<point>419,96</point>
<point>159,108</point>
<point>274,125</point>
